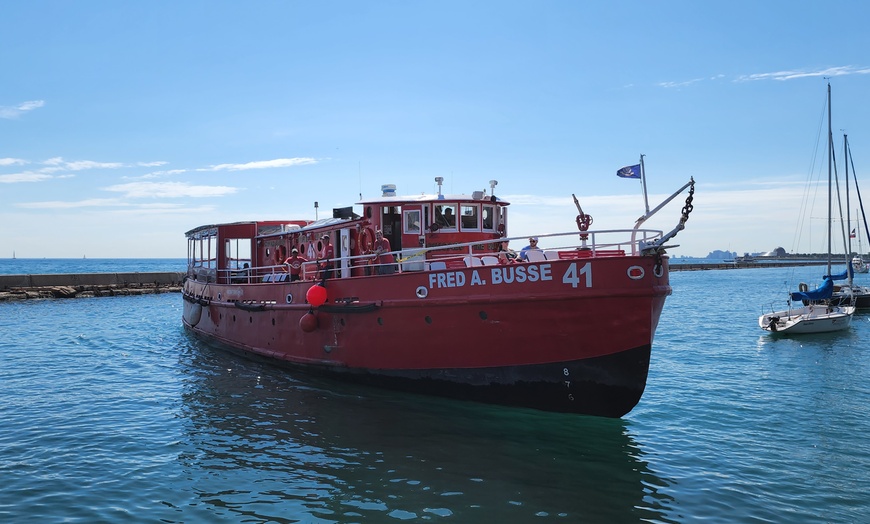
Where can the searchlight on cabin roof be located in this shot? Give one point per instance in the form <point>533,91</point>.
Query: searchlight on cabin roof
<point>439,180</point>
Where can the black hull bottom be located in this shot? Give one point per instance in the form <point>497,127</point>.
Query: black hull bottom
<point>608,386</point>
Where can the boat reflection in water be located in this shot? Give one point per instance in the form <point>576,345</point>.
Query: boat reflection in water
<point>271,446</point>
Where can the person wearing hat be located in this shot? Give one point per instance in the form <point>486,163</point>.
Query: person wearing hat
<point>533,246</point>
<point>293,265</point>
<point>384,259</point>
<point>327,253</point>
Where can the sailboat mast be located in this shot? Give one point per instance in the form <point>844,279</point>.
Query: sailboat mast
<point>863,218</point>
<point>848,215</point>
<point>830,160</point>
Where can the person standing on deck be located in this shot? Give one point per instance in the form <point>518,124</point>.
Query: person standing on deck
<point>385,261</point>
<point>294,265</point>
<point>328,253</point>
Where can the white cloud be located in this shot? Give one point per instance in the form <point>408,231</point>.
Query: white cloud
<point>152,164</point>
<point>262,164</point>
<point>59,163</point>
<point>16,111</point>
<point>89,164</point>
<point>93,202</point>
<point>169,190</point>
<point>156,174</point>
<point>27,176</point>
<point>679,84</point>
<point>12,162</point>
<point>791,75</point>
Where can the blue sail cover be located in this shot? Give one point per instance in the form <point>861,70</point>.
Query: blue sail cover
<point>823,292</point>
<point>842,276</point>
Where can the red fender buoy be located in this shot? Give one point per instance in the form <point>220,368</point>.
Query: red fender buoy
<point>316,295</point>
<point>308,322</point>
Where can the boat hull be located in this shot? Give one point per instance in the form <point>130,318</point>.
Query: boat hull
<point>814,318</point>
<point>552,340</point>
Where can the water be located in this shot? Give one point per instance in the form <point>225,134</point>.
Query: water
<point>41,266</point>
<point>112,413</point>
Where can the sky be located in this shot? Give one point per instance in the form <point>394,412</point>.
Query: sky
<point>125,124</point>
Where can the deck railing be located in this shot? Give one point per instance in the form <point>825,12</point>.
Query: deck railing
<point>556,246</point>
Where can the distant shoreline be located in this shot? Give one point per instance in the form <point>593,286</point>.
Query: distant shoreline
<point>777,262</point>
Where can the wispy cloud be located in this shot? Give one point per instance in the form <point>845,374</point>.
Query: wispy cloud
<point>92,202</point>
<point>776,75</point>
<point>169,190</point>
<point>262,164</point>
<point>12,162</point>
<point>80,165</point>
<point>27,176</point>
<point>793,74</point>
<point>679,84</point>
<point>156,174</point>
<point>18,110</point>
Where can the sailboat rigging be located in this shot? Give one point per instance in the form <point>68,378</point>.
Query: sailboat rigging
<point>818,313</point>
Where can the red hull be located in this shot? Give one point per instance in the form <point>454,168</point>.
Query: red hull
<point>560,335</point>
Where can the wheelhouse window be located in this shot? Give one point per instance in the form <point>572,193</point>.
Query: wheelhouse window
<point>412,222</point>
<point>470,217</point>
<point>238,253</point>
<point>445,216</point>
<point>488,218</point>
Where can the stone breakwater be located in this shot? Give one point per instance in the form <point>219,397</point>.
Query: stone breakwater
<point>80,285</point>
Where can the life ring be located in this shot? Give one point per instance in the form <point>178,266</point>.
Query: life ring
<point>367,241</point>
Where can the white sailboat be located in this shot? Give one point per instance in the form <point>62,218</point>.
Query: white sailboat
<point>817,312</point>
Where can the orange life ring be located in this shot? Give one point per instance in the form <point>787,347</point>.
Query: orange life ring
<point>367,241</point>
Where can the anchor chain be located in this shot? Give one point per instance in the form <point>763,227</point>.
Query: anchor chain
<point>688,207</point>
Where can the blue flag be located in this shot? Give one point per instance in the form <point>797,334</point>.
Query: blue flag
<point>629,172</point>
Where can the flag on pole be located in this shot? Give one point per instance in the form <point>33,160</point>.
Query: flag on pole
<point>852,234</point>
<point>629,172</point>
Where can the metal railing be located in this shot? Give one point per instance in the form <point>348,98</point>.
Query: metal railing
<point>615,242</point>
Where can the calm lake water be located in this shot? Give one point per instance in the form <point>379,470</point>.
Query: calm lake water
<point>111,413</point>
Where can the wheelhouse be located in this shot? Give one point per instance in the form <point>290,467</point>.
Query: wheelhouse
<point>419,229</point>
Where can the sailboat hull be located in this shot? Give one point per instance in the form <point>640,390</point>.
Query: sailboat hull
<point>814,318</point>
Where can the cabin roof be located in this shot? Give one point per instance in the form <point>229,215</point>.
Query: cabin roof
<point>433,198</point>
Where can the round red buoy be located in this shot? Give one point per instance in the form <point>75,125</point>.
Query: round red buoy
<point>308,322</point>
<point>316,295</point>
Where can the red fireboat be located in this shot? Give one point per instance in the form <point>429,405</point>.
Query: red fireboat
<point>422,294</point>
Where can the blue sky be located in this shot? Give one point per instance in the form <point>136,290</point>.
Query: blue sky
<point>125,124</point>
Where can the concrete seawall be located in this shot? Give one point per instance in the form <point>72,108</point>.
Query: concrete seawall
<point>73,285</point>
<point>744,265</point>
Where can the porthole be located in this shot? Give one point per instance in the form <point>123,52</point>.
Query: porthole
<point>428,319</point>
<point>483,315</point>
<point>422,292</point>
<point>289,298</point>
